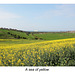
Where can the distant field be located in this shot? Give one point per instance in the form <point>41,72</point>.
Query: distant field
<point>16,34</point>
<point>55,36</point>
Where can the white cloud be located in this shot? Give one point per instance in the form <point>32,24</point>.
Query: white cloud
<point>7,15</point>
<point>60,10</point>
<point>64,10</point>
<point>8,19</point>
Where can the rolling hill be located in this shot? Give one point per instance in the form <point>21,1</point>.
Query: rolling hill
<point>6,33</point>
<point>14,34</point>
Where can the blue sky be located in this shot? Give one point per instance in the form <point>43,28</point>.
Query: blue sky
<point>42,17</point>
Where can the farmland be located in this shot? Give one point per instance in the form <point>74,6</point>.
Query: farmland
<point>19,48</point>
<point>17,34</point>
<point>55,36</point>
<point>44,53</point>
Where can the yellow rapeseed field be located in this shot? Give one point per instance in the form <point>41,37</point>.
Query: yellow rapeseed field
<point>46,53</point>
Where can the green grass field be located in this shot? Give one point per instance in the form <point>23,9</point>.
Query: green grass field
<point>55,36</point>
<point>16,34</point>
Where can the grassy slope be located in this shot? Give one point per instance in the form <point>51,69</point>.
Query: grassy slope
<point>4,34</point>
<point>55,36</point>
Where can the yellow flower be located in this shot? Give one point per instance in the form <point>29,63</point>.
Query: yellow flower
<point>38,60</point>
<point>0,62</point>
<point>38,57</point>
<point>22,64</point>
<point>9,53</point>
<point>19,60</point>
<point>45,62</point>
